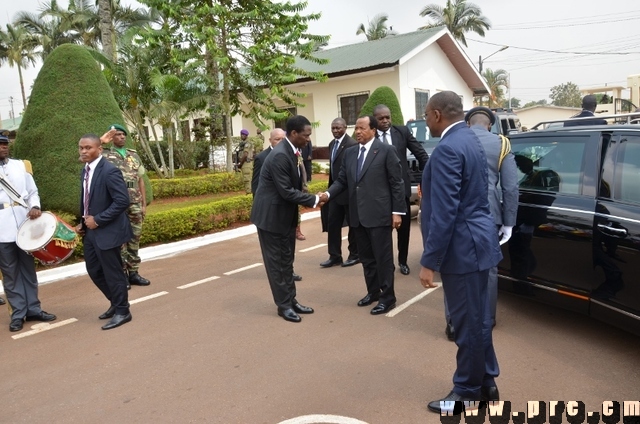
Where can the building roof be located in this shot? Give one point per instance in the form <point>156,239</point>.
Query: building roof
<point>11,124</point>
<point>390,51</point>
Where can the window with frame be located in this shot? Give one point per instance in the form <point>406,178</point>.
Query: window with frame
<point>350,106</point>
<point>549,164</point>
<point>282,123</point>
<point>422,98</point>
<point>628,170</point>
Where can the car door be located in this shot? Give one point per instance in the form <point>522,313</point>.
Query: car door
<point>549,255</point>
<point>615,294</point>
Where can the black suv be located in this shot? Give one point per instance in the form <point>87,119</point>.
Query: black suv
<point>577,238</point>
<point>507,123</point>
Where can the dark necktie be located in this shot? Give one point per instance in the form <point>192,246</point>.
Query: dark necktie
<point>86,190</point>
<point>334,153</point>
<point>386,137</point>
<point>360,162</point>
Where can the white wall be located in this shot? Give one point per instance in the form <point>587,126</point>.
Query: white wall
<point>532,116</point>
<point>430,70</point>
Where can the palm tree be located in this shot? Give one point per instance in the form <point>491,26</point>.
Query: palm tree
<point>496,80</point>
<point>18,49</point>
<point>459,17</point>
<point>377,28</point>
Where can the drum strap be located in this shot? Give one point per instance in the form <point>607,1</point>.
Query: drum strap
<point>11,192</point>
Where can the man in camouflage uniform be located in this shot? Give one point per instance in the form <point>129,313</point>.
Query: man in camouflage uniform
<point>246,156</point>
<point>128,161</point>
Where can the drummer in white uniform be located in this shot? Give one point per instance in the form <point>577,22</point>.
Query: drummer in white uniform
<point>19,201</point>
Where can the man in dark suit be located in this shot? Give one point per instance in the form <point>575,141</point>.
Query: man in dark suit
<point>589,104</point>
<point>275,214</point>
<point>372,176</point>
<point>275,137</point>
<point>337,211</point>
<point>401,137</point>
<point>105,226</point>
<point>460,242</point>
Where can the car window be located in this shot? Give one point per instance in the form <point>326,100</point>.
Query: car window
<point>550,164</point>
<point>628,170</point>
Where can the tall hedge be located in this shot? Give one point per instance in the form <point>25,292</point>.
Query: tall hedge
<point>384,96</point>
<point>70,97</point>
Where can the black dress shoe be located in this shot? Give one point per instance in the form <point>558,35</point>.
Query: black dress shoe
<point>351,262</point>
<point>449,331</point>
<point>453,404</point>
<point>368,299</point>
<point>404,269</point>
<point>2,302</point>
<point>382,308</point>
<point>296,277</point>
<point>289,315</point>
<point>138,280</point>
<point>109,313</point>
<point>42,316</point>
<point>301,309</point>
<point>489,393</point>
<point>16,325</point>
<point>117,321</point>
<point>331,262</point>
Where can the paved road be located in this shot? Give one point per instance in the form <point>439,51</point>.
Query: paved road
<point>216,352</point>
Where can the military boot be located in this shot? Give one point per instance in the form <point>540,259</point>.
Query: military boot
<point>137,280</point>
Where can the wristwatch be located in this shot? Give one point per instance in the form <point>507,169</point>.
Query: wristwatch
<point>35,207</point>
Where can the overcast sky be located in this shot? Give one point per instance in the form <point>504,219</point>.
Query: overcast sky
<point>591,27</point>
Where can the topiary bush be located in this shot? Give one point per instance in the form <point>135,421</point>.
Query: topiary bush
<point>223,182</point>
<point>384,96</point>
<point>70,97</point>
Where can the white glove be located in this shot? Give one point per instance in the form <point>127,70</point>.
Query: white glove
<point>505,234</point>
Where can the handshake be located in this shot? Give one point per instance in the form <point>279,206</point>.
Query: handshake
<point>323,198</point>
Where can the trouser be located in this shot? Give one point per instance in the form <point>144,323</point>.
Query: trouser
<point>375,249</point>
<point>403,235</point>
<point>130,256</point>
<point>476,362</point>
<point>247,172</point>
<point>105,269</point>
<point>19,280</point>
<point>278,251</point>
<point>337,215</point>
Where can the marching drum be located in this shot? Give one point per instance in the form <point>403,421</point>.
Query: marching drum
<point>47,238</point>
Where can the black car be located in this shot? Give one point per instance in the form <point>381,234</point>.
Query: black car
<point>576,243</point>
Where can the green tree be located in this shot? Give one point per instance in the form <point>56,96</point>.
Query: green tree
<point>377,28</point>
<point>459,17</point>
<point>515,103</point>
<point>251,48</point>
<point>384,96</point>
<point>66,102</point>
<point>497,81</point>
<point>535,103</point>
<point>18,49</point>
<point>566,95</point>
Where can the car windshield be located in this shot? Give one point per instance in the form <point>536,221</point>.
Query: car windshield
<point>420,131</point>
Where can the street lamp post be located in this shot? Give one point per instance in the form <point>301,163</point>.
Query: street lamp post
<point>480,61</point>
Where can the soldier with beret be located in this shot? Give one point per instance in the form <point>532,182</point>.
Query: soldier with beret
<point>129,163</point>
<point>246,156</point>
<point>19,200</point>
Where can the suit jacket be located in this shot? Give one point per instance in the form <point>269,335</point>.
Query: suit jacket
<point>279,192</point>
<point>503,213</point>
<point>334,170</point>
<point>379,189</point>
<point>403,139</point>
<point>257,166</point>
<point>585,114</point>
<point>458,231</point>
<point>108,202</point>
<point>307,151</point>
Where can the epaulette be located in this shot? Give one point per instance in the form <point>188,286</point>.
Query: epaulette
<point>27,166</point>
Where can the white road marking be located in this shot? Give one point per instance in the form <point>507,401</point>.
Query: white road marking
<point>410,302</point>
<point>43,326</point>
<point>151,296</point>
<point>309,249</point>
<point>244,268</point>
<point>322,419</point>
<point>195,283</point>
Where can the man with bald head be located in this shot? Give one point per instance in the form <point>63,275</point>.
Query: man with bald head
<point>459,238</point>
<point>337,211</point>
